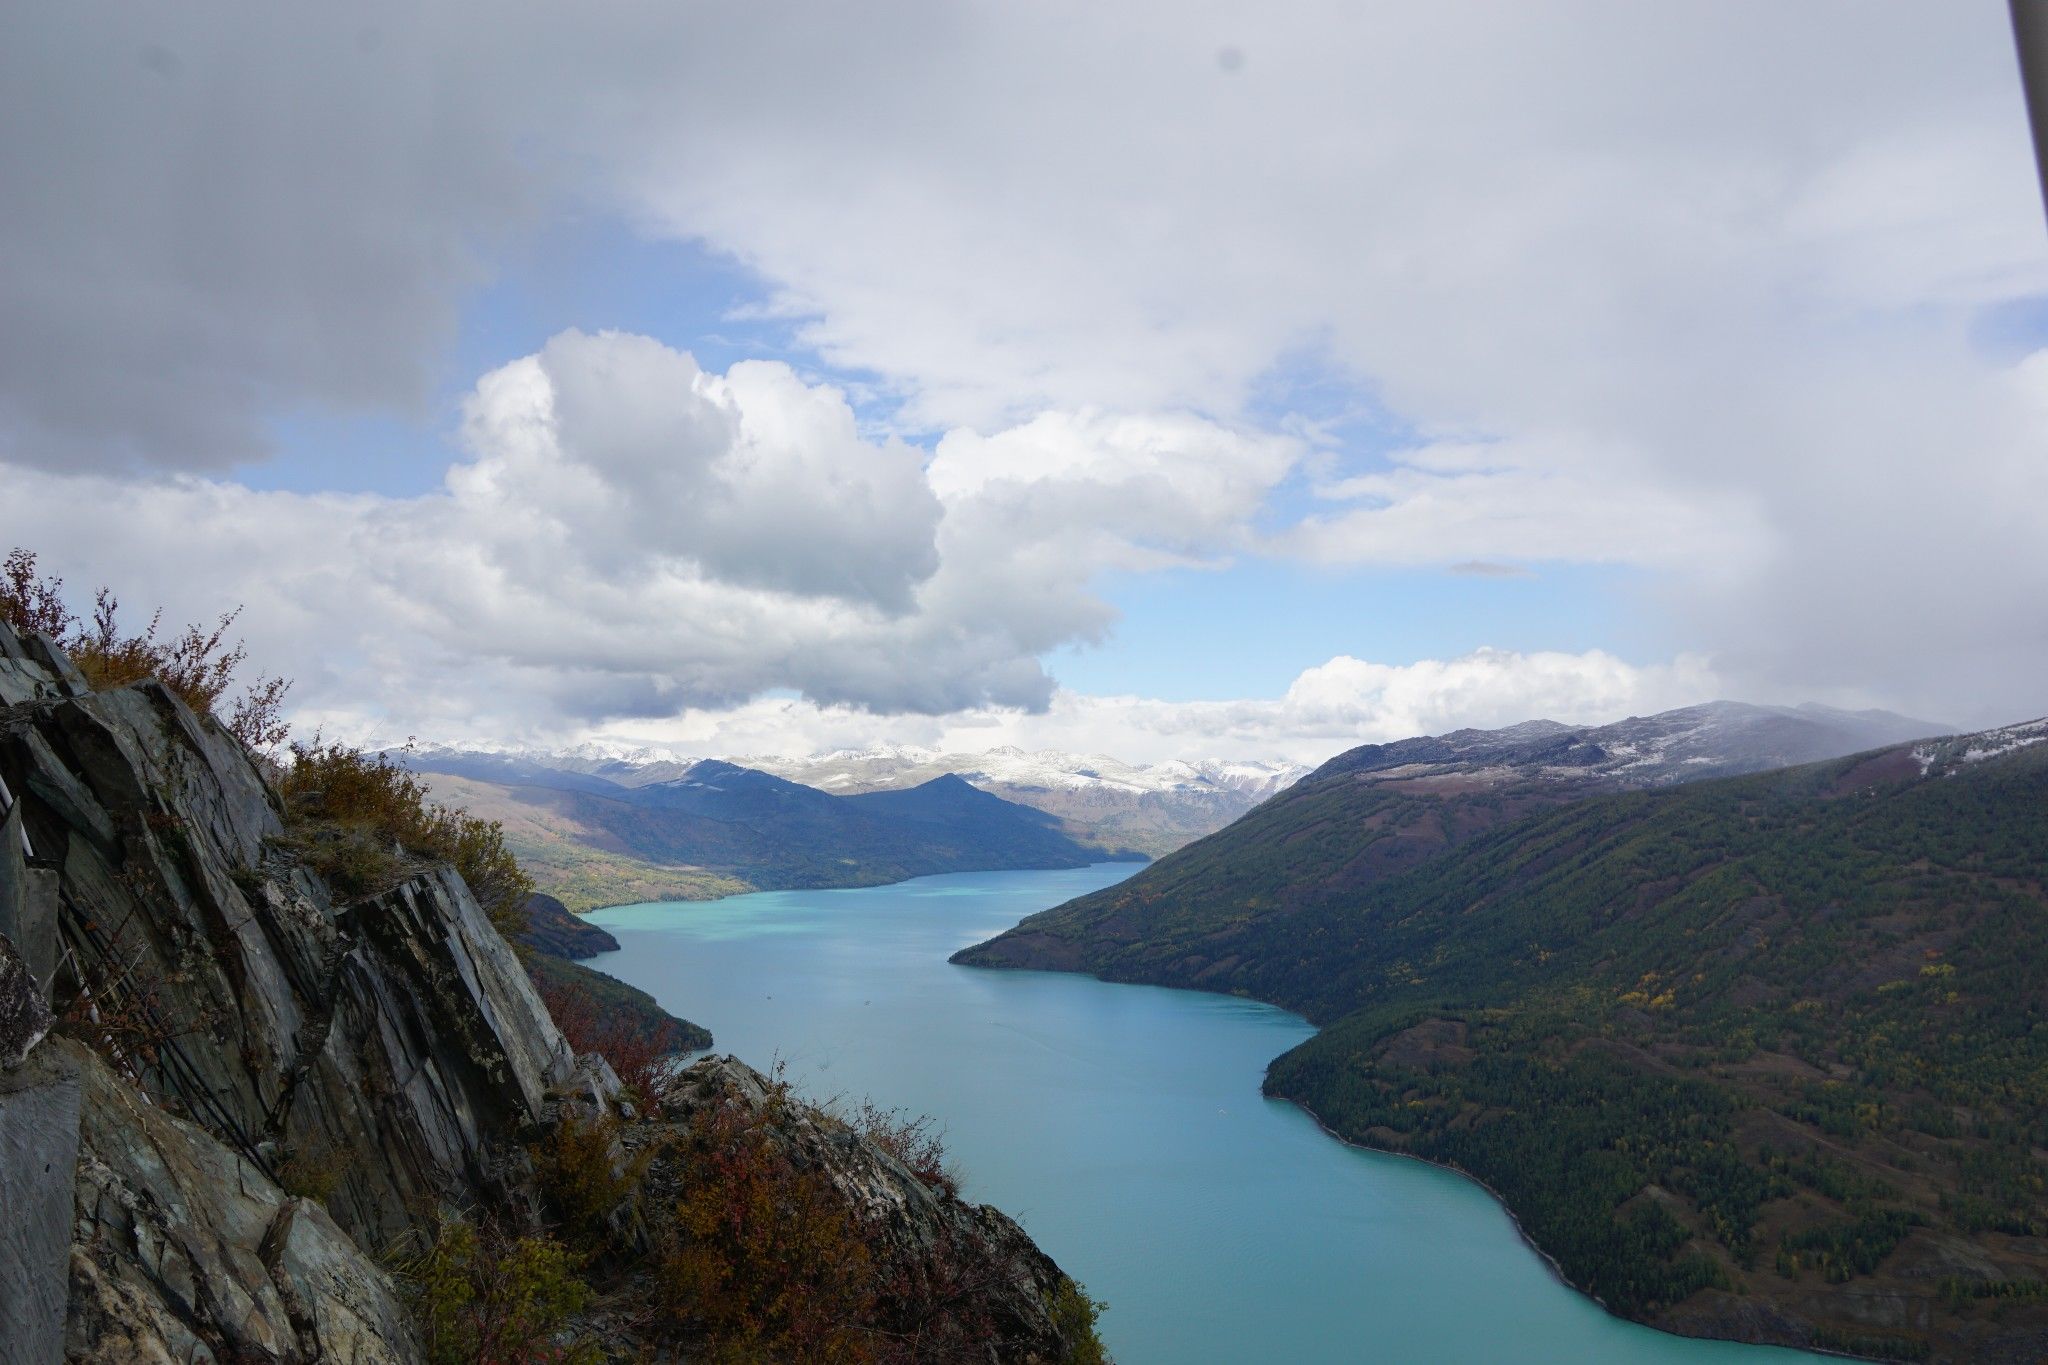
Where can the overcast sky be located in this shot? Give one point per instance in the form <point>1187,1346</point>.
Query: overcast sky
<point>1159,379</point>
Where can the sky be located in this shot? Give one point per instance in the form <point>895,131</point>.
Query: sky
<point>1163,380</point>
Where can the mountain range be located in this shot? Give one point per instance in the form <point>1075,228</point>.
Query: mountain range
<point>1100,800</point>
<point>1152,808</point>
<point>599,830</point>
<point>1754,1055</point>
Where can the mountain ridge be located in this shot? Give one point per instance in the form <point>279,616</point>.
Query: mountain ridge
<point>1103,801</point>
<point>1381,809</point>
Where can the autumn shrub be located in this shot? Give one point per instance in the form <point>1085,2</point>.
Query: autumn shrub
<point>360,815</point>
<point>485,1298</point>
<point>914,1140</point>
<point>31,603</point>
<point>764,1260</point>
<point>198,663</point>
<point>586,1177</point>
<point>641,1056</point>
<point>111,995</point>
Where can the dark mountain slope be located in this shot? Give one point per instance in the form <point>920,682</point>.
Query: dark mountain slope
<point>1196,917</point>
<point>553,930</point>
<point>949,809</point>
<point>556,940</point>
<point>1763,1057</point>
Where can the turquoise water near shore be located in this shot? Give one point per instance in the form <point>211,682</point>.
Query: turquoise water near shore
<point>1123,1126</point>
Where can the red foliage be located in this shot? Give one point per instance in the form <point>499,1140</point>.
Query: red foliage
<point>642,1057</point>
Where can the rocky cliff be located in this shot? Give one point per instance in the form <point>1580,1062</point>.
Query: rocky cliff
<point>228,1096</point>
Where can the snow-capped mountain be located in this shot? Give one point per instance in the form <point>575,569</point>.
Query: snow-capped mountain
<point>1155,807</point>
<point>1105,801</point>
<point>903,765</point>
<point>1946,756</point>
<point>1716,739</point>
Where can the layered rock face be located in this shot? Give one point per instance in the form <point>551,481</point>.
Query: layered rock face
<point>380,1049</point>
<point>228,1037</point>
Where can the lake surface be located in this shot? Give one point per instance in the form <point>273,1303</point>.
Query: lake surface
<point>1123,1127</point>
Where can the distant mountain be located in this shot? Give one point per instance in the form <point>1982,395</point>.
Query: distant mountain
<point>1155,808</point>
<point>1102,801</point>
<point>749,828</point>
<point>1711,740</point>
<point>1381,809</point>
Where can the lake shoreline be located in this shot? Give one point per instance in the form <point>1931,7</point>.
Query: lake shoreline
<point>1551,1262</point>
<point>1556,1270</point>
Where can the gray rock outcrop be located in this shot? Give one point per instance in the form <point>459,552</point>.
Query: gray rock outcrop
<point>182,1250</point>
<point>246,1032</point>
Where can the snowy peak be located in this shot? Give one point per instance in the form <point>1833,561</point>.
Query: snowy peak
<point>1945,757</point>
<point>1010,767</point>
<point>1715,739</point>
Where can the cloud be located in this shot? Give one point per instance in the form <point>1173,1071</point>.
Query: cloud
<point>632,537</point>
<point>1699,277</point>
<point>1327,709</point>
<point>633,456</point>
<point>217,213</point>
<point>1687,286</point>
<point>1531,499</point>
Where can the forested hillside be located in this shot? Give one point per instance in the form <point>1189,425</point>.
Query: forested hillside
<point>1198,917</point>
<point>1764,1057</point>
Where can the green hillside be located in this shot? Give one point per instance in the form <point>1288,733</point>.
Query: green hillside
<point>1763,1057</point>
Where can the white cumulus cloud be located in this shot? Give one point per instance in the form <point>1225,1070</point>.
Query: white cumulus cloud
<point>629,536</point>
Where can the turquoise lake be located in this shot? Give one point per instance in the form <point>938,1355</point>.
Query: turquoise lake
<point>1123,1126</point>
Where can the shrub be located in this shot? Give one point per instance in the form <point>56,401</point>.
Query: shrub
<point>585,1177</point>
<point>1075,1312</point>
<point>483,1298</point>
<point>112,998</point>
<point>362,813</point>
<point>764,1261</point>
<point>313,1173</point>
<point>913,1140</point>
<point>31,603</point>
<point>198,663</point>
<point>641,1056</point>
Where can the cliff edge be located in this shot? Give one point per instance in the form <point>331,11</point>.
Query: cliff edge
<point>239,1111</point>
